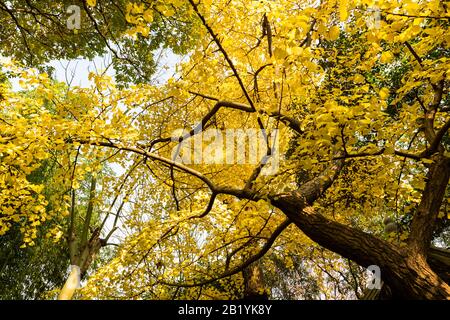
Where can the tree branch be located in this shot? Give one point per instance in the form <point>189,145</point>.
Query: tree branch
<point>424,220</point>
<point>241,267</point>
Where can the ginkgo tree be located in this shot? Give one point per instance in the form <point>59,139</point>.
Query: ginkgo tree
<point>353,114</point>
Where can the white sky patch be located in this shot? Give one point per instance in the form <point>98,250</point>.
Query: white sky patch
<point>75,72</point>
<point>167,62</point>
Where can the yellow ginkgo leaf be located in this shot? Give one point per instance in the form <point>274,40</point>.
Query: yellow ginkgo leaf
<point>358,78</point>
<point>386,57</point>
<point>343,10</point>
<point>384,93</point>
<point>279,54</point>
<point>148,15</point>
<point>333,34</point>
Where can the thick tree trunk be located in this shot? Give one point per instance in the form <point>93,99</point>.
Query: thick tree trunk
<point>406,271</point>
<point>424,221</point>
<point>409,276</point>
<point>439,261</point>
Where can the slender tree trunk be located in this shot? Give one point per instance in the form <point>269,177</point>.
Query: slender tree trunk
<point>81,248</point>
<point>254,286</point>
<point>72,283</point>
<point>79,267</point>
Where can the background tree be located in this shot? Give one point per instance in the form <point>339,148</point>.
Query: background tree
<point>30,272</point>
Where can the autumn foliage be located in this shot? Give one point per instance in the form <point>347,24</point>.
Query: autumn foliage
<point>357,94</point>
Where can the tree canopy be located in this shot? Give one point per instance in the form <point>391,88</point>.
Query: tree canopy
<point>346,103</point>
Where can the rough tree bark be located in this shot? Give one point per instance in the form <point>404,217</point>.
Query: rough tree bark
<point>439,261</point>
<point>406,271</point>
